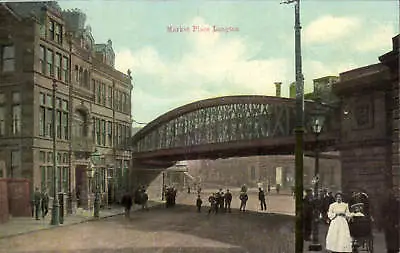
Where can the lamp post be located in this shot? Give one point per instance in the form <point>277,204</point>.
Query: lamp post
<point>299,130</point>
<point>317,128</point>
<point>95,157</point>
<point>55,215</point>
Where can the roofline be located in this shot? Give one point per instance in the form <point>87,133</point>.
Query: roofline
<point>9,9</point>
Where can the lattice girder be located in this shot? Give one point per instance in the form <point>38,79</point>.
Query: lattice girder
<point>220,120</point>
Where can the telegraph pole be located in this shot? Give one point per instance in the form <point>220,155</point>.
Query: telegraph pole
<point>55,219</point>
<point>299,130</point>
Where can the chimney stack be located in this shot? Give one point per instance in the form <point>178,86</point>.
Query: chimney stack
<point>278,86</point>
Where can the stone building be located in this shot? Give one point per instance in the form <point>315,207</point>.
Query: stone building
<point>41,45</point>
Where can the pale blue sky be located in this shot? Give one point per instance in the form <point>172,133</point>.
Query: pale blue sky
<point>173,69</point>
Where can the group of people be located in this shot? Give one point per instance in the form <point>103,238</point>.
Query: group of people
<point>221,202</point>
<point>140,198</point>
<point>40,203</point>
<point>341,215</point>
<point>170,195</point>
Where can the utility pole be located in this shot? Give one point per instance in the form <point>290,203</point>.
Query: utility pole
<point>55,219</point>
<point>299,130</point>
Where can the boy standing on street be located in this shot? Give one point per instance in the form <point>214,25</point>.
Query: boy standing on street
<point>199,202</point>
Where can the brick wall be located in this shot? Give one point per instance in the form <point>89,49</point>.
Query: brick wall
<point>4,214</point>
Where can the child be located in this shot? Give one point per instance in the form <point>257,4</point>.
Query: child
<point>199,202</point>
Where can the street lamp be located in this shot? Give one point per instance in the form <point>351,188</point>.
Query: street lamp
<point>318,123</point>
<point>95,158</point>
<point>55,215</point>
<point>299,130</point>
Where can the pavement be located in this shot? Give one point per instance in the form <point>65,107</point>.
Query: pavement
<point>24,225</point>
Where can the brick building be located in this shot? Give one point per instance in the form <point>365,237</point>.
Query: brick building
<point>41,44</point>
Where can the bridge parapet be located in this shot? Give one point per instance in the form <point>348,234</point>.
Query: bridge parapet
<point>223,120</point>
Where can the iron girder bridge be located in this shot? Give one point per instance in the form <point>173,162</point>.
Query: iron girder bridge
<point>229,126</point>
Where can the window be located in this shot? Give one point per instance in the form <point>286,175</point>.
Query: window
<point>2,121</point>
<point>58,123</point>
<point>58,63</point>
<point>103,131</point>
<point>81,76</point>
<point>58,33</point>
<point>42,156</point>
<point>49,123</point>
<point>50,157</point>
<point>98,132</point>
<point>42,120</point>
<point>43,177</point>
<point>42,99</point>
<point>16,119</point>
<point>65,120</point>
<point>110,96</point>
<point>42,59</point>
<point>49,58</point>
<point>51,29</point>
<point>65,179</point>
<point>65,70</point>
<point>16,163</point>
<point>76,73</point>
<point>98,95</point>
<point>109,133</point>
<point>7,54</point>
<point>50,187</point>
<point>103,91</point>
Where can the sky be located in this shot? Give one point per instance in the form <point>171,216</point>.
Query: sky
<point>256,49</point>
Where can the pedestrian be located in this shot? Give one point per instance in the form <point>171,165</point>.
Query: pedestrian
<point>228,200</point>
<point>338,238</point>
<point>308,214</point>
<point>213,204</point>
<point>37,197</point>
<point>261,198</point>
<point>390,213</point>
<point>221,200</point>
<point>127,203</point>
<point>269,188</point>
<point>188,188</point>
<point>243,200</point>
<point>278,188</point>
<point>327,200</point>
<point>199,202</point>
<point>45,203</point>
<point>145,199</point>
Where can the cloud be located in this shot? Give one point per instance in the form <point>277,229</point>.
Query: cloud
<point>377,38</point>
<point>329,29</point>
<point>216,64</point>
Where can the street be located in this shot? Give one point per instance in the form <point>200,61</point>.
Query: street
<point>179,229</point>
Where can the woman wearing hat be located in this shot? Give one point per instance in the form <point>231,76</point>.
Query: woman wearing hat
<point>338,238</point>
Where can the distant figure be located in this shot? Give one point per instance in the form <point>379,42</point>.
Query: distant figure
<point>221,200</point>
<point>37,197</point>
<point>243,201</point>
<point>145,199</point>
<point>45,203</point>
<point>199,202</point>
<point>228,200</point>
<point>278,188</point>
<point>188,188</point>
<point>213,204</point>
<point>269,188</point>
<point>127,203</point>
<point>261,198</point>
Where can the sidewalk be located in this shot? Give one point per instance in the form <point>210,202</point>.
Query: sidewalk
<point>23,225</point>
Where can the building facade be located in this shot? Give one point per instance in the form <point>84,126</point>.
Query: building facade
<point>42,45</point>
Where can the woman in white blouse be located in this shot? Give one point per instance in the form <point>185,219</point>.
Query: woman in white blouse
<point>338,238</point>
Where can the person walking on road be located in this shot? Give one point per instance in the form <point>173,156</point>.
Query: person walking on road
<point>228,200</point>
<point>37,197</point>
<point>45,203</point>
<point>261,198</point>
<point>127,203</point>
<point>243,201</point>
<point>199,202</point>
<point>213,203</point>
<point>338,238</point>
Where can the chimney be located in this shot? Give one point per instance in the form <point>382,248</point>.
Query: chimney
<point>278,86</point>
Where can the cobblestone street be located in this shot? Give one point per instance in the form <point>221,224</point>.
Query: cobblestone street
<point>178,229</point>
